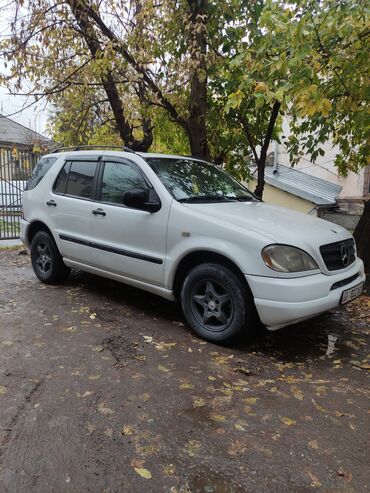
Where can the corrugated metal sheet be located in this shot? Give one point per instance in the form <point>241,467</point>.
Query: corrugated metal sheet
<point>13,133</point>
<point>316,190</point>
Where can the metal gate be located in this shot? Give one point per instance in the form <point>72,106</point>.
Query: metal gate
<point>15,170</point>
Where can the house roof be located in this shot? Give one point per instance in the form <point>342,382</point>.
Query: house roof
<point>14,133</point>
<point>311,188</point>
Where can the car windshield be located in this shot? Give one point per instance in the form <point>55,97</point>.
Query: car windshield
<point>189,180</point>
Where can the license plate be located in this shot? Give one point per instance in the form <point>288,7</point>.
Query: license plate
<point>351,294</point>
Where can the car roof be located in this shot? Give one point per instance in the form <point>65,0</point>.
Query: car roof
<point>94,152</point>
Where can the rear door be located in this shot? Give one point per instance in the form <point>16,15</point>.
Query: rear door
<point>70,206</point>
<point>127,241</point>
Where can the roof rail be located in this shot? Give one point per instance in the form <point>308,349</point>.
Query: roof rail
<point>88,147</point>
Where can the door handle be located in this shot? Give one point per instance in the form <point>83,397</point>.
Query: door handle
<point>99,212</point>
<point>51,203</point>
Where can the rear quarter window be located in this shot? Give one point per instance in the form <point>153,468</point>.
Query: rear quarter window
<point>40,171</point>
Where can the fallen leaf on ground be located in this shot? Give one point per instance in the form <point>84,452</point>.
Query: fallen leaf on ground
<point>315,483</point>
<point>169,470</point>
<point>251,400</point>
<point>98,349</point>
<point>237,447</point>
<point>217,417</point>
<point>313,444</point>
<point>73,328</point>
<point>363,366</point>
<point>104,409</point>
<point>127,430</point>
<point>186,386</point>
<point>199,402</point>
<point>144,473</point>
<point>3,390</point>
<point>93,316</point>
<point>192,447</point>
<point>163,368</point>
<point>298,394</point>
<point>137,463</point>
<point>288,421</point>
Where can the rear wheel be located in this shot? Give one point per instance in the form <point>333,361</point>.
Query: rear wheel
<point>216,303</point>
<point>46,260</point>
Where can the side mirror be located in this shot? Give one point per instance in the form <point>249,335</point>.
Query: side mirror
<point>138,199</point>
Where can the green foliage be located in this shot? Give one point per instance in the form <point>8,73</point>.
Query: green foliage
<point>311,58</point>
<point>237,65</point>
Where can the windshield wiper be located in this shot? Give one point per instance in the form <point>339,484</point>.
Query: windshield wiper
<point>204,198</point>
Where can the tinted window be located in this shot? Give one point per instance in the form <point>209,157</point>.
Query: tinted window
<point>40,171</point>
<point>118,178</point>
<point>80,179</point>
<point>61,181</point>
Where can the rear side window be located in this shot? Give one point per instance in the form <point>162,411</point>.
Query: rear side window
<point>61,183</point>
<point>40,171</point>
<point>76,179</point>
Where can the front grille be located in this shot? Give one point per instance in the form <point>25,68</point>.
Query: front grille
<point>338,255</point>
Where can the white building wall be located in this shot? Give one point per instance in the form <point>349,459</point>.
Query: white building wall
<point>352,185</point>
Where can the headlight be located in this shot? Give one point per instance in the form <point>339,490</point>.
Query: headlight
<point>284,258</point>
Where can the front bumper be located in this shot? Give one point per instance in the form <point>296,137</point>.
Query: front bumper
<point>282,302</point>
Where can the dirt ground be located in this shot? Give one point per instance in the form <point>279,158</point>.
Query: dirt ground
<point>103,388</point>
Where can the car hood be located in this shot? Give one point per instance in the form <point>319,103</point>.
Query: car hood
<point>278,224</point>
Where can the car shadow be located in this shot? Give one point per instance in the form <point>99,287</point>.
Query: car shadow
<point>327,334</point>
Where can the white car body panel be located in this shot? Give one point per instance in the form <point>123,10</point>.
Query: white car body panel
<point>236,230</point>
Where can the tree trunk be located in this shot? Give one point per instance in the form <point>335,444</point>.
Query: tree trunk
<point>362,237</point>
<point>196,124</point>
<point>261,162</point>
<point>123,126</point>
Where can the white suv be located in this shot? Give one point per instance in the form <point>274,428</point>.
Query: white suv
<point>184,229</point>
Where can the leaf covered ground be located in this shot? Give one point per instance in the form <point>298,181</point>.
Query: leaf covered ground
<point>103,388</point>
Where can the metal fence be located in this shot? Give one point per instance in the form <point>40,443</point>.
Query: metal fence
<point>15,170</point>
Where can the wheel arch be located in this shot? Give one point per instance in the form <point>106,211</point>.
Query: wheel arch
<point>199,257</point>
<point>35,227</point>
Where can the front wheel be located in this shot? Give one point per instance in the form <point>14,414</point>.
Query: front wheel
<point>46,260</point>
<point>217,305</point>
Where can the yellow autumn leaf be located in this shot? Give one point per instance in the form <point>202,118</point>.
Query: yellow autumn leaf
<point>186,386</point>
<point>169,470</point>
<point>127,430</point>
<point>3,390</point>
<point>288,421</point>
<point>239,427</point>
<point>163,368</point>
<point>218,418</point>
<point>298,394</point>
<point>313,444</point>
<point>199,402</point>
<point>250,400</point>
<point>144,473</point>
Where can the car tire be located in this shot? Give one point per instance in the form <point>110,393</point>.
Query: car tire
<point>217,304</point>
<point>46,260</point>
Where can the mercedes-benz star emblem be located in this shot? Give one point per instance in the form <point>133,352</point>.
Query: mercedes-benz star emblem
<point>344,254</point>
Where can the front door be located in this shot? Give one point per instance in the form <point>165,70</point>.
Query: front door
<point>127,241</point>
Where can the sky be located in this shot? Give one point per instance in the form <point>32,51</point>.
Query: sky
<point>32,117</point>
<point>11,106</point>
